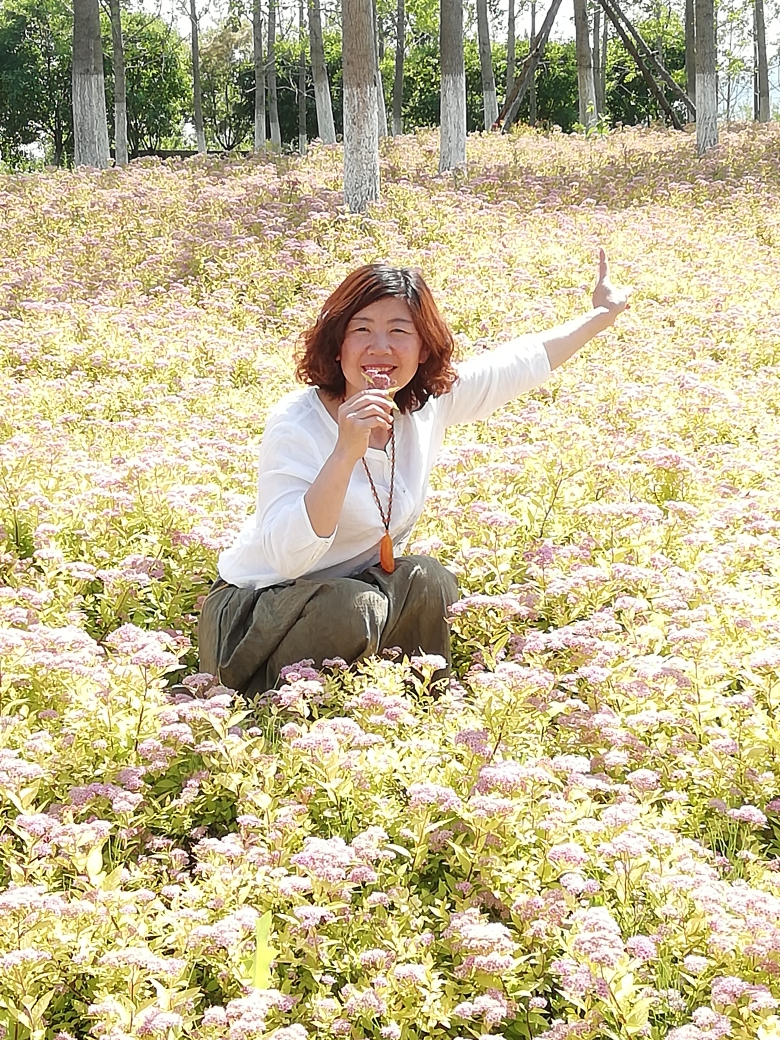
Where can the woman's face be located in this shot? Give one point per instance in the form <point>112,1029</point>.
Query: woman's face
<point>381,338</point>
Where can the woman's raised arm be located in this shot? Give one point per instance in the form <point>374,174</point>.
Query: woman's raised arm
<point>608,301</point>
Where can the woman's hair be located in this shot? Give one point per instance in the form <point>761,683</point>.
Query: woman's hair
<point>317,362</point>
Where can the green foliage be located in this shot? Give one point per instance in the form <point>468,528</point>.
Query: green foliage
<point>35,80</point>
<point>556,87</point>
<point>35,48</point>
<point>227,84</point>
<point>35,74</point>
<point>629,100</point>
<point>159,90</point>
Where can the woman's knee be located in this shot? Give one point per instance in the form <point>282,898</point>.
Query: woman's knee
<point>428,571</point>
<point>350,612</point>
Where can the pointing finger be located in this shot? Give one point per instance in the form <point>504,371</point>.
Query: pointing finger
<point>603,265</point>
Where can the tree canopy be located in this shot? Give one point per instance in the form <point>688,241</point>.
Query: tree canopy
<point>35,75</point>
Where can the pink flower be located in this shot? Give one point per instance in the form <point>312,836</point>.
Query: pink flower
<point>506,777</point>
<point>569,854</point>
<point>644,780</point>
<point>327,859</point>
<point>476,740</point>
<point>427,794</point>
<point>695,964</point>
<point>642,947</point>
<point>712,1023</point>
<point>748,814</point>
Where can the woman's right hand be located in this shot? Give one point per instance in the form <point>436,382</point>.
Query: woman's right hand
<point>357,417</point>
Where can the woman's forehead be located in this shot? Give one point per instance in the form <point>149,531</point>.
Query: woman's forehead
<point>388,307</point>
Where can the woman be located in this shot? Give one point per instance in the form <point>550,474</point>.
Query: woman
<point>318,572</point>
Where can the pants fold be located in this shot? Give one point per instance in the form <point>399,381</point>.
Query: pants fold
<point>246,636</point>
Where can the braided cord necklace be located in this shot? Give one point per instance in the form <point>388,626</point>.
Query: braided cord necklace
<point>386,559</point>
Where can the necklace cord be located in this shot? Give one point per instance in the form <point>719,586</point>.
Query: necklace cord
<point>385,519</point>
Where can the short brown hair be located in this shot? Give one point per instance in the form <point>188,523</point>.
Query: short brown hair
<point>321,344</point>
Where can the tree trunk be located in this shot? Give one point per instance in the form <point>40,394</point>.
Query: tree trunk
<point>585,88</point>
<point>489,102</point>
<point>528,70</point>
<point>120,88</point>
<point>273,99</point>
<point>381,109</point>
<point>604,45</point>
<point>652,60</point>
<point>303,139</point>
<point>257,50</point>
<point>643,57</point>
<point>398,80</point>
<point>532,115</point>
<point>452,147</point>
<point>598,58</point>
<point>690,49</point>
<point>58,142</point>
<point>325,128</point>
<point>762,68</point>
<point>361,139</point>
<point>511,44</point>
<point>197,99</point>
<point>706,83</point>
<point>90,128</point>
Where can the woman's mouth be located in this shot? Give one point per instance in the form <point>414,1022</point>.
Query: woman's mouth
<point>379,376</point>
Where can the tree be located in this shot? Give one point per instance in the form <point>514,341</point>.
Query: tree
<point>197,96</point>
<point>325,128</point>
<point>690,49</point>
<point>486,65</point>
<point>301,92</point>
<point>361,137</point>
<point>159,91</point>
<point>36,40</point>
<point>599,57</point>
<point>762,68</point>
<point>629,99</point>
<point>90,126</point>
<point>226,83</point>
<point>452,146</point>
<point>381,108</point>
<point>510,40</point>
<point>273,99</point>
<point>120,85</point>
<point>532,113</point>
<point>398,76</point>
<point>259,139</point>
<point>706,83</point>
<point>587,90</point>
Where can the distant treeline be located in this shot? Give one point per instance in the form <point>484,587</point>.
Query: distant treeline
<point>35,83</point>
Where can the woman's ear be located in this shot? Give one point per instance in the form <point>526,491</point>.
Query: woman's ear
<point>424,355</point>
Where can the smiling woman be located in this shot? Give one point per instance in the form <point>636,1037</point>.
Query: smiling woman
<point>318,571</point>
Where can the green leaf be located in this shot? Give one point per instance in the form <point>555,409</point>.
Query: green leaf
<point>264,953</point>
<point>94,864</point>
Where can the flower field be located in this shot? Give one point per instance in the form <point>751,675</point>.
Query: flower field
<point>578,839</point>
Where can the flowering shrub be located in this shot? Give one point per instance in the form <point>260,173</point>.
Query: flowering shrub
<point>579,837</point>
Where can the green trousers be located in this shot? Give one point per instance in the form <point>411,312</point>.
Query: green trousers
<point>246,636</point>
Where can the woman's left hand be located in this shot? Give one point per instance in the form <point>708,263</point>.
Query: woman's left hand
<point>606,295</point>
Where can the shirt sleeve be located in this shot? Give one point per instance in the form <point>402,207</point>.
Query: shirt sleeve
<point>489,381</point>
<point>280,532</point>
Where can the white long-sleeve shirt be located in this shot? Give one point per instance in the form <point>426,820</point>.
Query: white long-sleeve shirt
<point>277,543</point>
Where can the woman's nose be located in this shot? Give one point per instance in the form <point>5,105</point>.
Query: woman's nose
<point>380,343</point>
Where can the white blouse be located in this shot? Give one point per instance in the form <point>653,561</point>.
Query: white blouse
<point>277,544</point>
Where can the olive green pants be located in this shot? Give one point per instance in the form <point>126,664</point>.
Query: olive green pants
<point>246,636</point>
